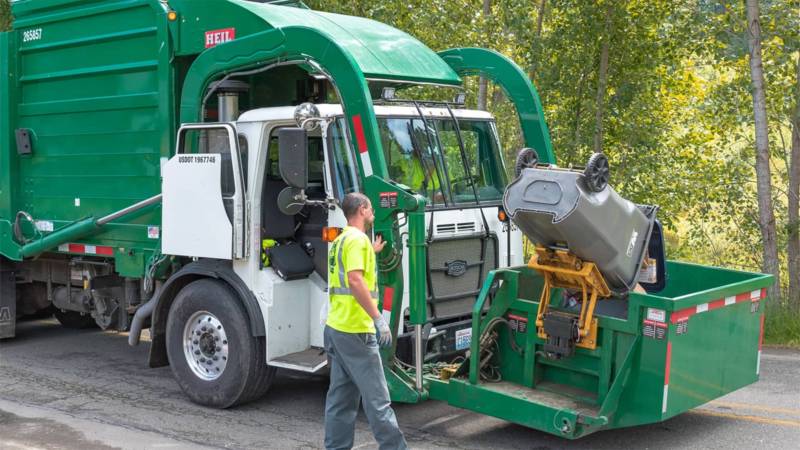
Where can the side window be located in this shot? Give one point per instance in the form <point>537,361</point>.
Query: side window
<point>344,173</point>
<point>398,152</point>
<point>459,178</point>
<point>215,140</point>
<point>243,155</point>
<point>211,140</point>
<point>412,155</point>
<point>273,171</point>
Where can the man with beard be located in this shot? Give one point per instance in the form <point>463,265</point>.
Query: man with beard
<point>353,330</point>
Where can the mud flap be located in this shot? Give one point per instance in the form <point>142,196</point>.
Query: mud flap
<point>8,303</point>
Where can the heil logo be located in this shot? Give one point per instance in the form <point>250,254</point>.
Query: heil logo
<point>216,37</point>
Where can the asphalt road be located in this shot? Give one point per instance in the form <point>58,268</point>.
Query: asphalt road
<point>87,389</point>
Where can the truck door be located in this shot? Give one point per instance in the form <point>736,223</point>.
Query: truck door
<point>203,194</point>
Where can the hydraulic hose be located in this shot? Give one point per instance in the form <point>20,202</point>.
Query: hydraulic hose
<point>143,313</point>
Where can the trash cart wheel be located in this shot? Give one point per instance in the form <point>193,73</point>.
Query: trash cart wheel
<point>526,158</point>
<point>597,172</point>
<point>213,356</point>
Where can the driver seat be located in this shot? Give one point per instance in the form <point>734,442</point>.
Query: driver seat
<point>288,258</point>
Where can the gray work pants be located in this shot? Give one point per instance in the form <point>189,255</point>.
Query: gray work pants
<point>357,374</point>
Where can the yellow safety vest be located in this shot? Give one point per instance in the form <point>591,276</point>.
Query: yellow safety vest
<point>412,174</point>
<point>351,250</point>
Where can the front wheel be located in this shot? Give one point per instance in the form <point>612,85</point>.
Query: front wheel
<point>212,354</point>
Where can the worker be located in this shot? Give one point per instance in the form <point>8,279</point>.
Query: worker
<point>354,328</point>
<point>410,171</point>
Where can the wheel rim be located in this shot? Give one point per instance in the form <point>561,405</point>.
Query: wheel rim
<point>205,345</point>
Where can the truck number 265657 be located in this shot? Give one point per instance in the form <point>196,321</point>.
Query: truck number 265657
<point>32,35</point>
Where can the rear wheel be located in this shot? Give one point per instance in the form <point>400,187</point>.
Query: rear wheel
<point>212,354</point>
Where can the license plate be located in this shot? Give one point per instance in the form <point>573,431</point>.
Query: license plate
<point>463,338</point>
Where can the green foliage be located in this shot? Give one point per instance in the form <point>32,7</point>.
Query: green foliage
<point>678,110</point>
<point>781,325</point>
<point>5,15</point>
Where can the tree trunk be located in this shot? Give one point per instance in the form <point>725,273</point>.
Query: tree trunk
<point>540,17</point>
<point>483,83</point>
<point>602,82</point>
<point>537,55</point>
<point>766,215</point>
<point>794,200</point>
<point>576,139</point>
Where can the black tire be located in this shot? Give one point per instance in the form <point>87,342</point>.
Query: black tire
<point>74,320</point>
<point>527,158</point>
<point>597,172</point>
<point>245,375</point>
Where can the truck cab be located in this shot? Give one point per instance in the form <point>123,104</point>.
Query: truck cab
<point>444,152</point>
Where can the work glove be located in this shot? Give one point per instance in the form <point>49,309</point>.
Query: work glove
<point>382,331</point>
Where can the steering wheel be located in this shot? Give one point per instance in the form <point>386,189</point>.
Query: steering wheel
<point>464,180</point>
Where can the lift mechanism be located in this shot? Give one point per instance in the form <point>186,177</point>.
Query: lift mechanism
<point>563,331</point>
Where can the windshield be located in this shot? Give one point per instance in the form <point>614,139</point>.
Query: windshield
<point>430,161</point>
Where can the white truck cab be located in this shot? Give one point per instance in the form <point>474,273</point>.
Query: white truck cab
<point>227,176</point>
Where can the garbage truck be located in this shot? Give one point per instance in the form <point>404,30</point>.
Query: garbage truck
<point>178,166</point>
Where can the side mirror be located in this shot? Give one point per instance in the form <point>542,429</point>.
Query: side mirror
<point>291,201</point>
<point>293,156</point>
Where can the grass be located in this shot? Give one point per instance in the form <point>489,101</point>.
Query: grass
<point>781,325</point>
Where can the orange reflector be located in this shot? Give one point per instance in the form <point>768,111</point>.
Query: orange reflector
<point>501,216</point>
<point>172,16</point>
<point>329,234</point>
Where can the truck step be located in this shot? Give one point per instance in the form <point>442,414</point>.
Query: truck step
<point>309,360</point>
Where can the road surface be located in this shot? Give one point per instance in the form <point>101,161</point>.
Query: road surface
<point>64,388</point>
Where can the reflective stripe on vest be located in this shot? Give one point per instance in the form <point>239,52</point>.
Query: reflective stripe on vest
<point>343,289</point>
<point>348,291</point>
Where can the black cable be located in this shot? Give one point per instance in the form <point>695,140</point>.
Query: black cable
<point>19,235</point>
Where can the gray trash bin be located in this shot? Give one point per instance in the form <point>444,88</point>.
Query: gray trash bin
<point>555,208</point>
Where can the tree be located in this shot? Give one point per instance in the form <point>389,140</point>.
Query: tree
<point>483,83</point>
<point>766,215</point>
<point>5,15</point>
<point>602,79</point>
<point>536,43</point>
<point>676,107</point>
<point>793,199</point>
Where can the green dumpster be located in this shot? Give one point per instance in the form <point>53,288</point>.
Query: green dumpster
<point>657,355</point>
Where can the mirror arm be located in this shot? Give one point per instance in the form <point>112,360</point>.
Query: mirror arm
<point>302,198</point>
<point>312,120</point>
<point>328,203</point>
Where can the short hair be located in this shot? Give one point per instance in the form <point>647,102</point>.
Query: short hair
<point>352,202</point>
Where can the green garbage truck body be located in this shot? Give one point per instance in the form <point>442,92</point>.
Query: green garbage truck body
<point>178,165</point>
